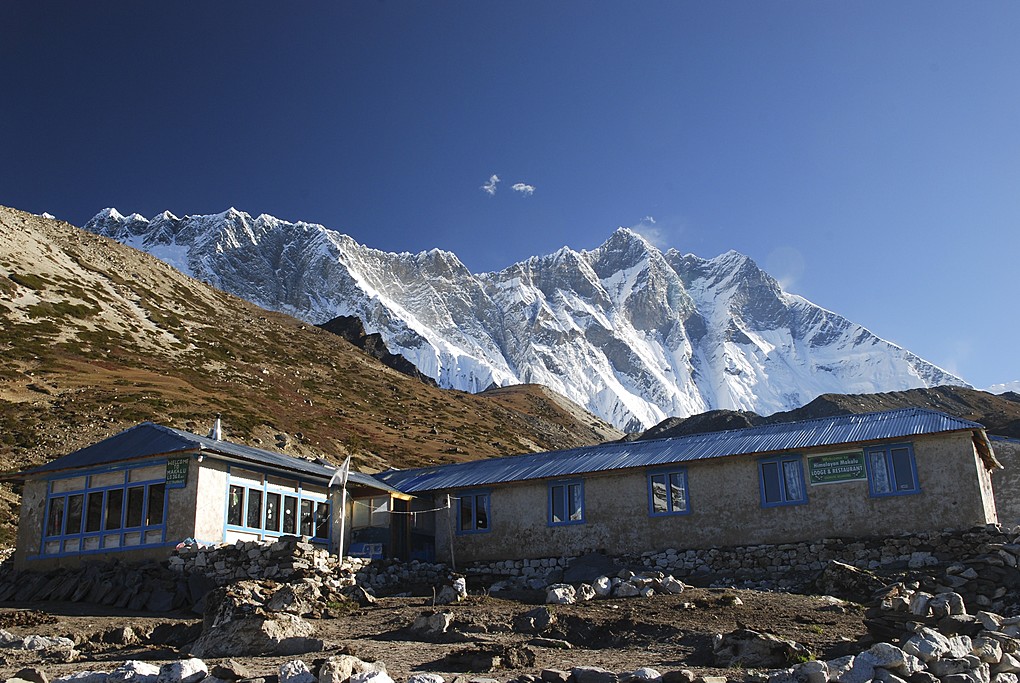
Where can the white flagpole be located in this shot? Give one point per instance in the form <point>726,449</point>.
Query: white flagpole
<point>340,476</point>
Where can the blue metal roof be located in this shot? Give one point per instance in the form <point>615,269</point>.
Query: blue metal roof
<point>148,439</point>
<point>828,431</point>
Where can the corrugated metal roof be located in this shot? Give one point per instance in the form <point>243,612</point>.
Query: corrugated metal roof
<point>148,439</point>
<point>828,431</point>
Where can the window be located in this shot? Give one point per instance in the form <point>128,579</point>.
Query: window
<point>272,507</point>
<point>892,470</point>
<point>105,510</point>
<point>370,512</point>
<point>667,492</point>
<point>472,512</point>
<point>781,481</point>
<point>566,503</point>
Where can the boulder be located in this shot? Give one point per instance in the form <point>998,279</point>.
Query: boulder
<point>534,621</point>
<point>295,671</point>
<point>425,678</point>
<point>341,668</point>
<point>593,674</point>
<point>133,671</point>
<point>603,586</point>
<point>190,670</point>
<point>746,648</point>
<point>258,634</point>
<point>433,624</point>
<point>371,677</point>
<point>561,594</point>
<point>236,624</point>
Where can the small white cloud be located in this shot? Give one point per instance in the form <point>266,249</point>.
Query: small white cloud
<point>648,229</point>
<point>490,186</point>
<point>526,190</point>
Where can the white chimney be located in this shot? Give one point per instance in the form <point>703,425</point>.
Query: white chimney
<point>217,431</point>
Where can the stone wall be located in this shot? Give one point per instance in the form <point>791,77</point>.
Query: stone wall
<point>991,552</point>
<point>292,558</point>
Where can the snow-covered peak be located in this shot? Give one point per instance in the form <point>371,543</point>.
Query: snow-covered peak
<point>631,333</point>
<point>1013,386</point>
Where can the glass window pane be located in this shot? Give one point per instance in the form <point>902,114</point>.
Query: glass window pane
<point>235,505</point>
<point>482,512</point>
<point>55,520</point>
<point>155,512</point>
<point>272,512</point>
<point>659,502</point>
<point>135,500</point>
<point>576,502</point>
<point>771,483</point>
<point>559,504</point>
<point>254,519</point>
<point>466,516</point>
<point>289,515</point>
<point>307,518</point>
<point>879,473</point>
<point>322,520</point>
<point>74,509</point>
<point>678,496</point>
<point>94,511</point>
<point>792,479</point>
<point>902,471</point>
<point>114,507</point>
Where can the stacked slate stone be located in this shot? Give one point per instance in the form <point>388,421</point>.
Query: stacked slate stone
<point>149,586</point>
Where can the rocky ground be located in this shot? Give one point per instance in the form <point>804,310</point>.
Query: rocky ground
<point>665,632</point>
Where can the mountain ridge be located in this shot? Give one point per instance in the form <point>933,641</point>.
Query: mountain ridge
<point>631,333</point>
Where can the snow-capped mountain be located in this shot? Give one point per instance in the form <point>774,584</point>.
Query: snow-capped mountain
<point>1013,386</point>
<point>632,333</point>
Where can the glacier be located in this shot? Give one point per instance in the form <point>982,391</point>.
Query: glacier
<point>632,333</point>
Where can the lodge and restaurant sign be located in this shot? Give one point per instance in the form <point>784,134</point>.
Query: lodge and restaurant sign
<point>836,467</point>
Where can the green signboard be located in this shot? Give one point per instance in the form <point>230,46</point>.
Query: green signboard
<point>835,467</point>
<point>177,472</point>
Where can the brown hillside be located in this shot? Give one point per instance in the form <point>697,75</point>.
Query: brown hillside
<point>1000,414</point>
<point>96,337</point>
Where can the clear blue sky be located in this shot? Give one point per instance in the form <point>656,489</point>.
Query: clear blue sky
<point>867,154</point>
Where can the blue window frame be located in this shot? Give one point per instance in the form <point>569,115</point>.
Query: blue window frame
<point>566,503</point>
<point>473,512</point>
<point>256,505</point>
<point>781,480</point>
<point>667,492</point>
<point>892,470</point>
<point>103,510</point>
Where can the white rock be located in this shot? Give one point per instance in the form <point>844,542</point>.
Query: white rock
<point>296,671</point>
<point>928,645</point>
<point>84,677</point>
<point>647,674</point>
<point>561,594</point>
<point>672,585</point>
<point>603,586</point>
<point>626,590</point>
<point>340,668</point>
<point>133,671</point>
<point>919,602</point>
<point>814,671</point>
<point>426,678</point>
<point>190,670</point>
<point>371,677</point>
<point>585,592</point>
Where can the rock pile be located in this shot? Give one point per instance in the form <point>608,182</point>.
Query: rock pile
<point>626,584</point>
<point>292,557</point>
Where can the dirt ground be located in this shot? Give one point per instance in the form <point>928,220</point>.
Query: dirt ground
<point>662,632</point>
